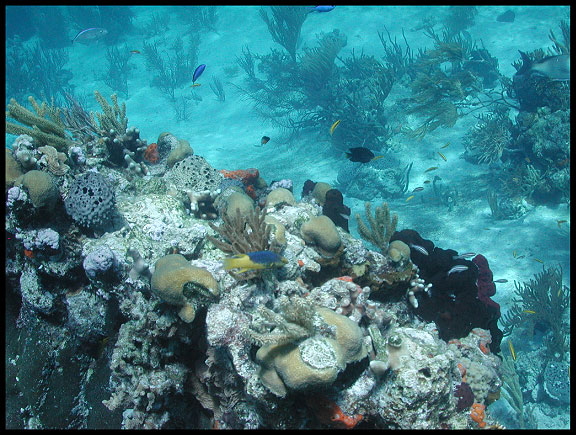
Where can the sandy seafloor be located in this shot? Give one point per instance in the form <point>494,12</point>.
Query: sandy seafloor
<point>225,132</point>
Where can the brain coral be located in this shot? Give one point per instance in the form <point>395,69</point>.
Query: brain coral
<point>179,283</point>
<point>194,174</point>
<point>313,362</point>
<point>321,232</point>
<point>90,201</point>
<point>41,188</point>
<point>280,196</point>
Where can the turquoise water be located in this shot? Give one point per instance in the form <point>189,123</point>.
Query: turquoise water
<point>420,87</point>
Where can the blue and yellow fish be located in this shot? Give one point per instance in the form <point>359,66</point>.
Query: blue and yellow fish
<point>254,260</point>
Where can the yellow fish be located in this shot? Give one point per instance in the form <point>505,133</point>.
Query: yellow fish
<point>195,84</point>
<point>445,146</point>
<point>529,311</point>
<point>560,223</point>
<point>409,198</point>
<point>334,127</point>
<point>538,260</point>
<point>512,350</point>
<point>514,254</point>
<point>377,157</point>
<point>433,168</point>
<point>442,155</point>
<point>254,260</point>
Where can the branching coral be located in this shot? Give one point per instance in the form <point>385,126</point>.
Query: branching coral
<point>542,300</point>
<point>243,234</point>
<point>486,142</point>
<point>294,322</point>
<point>511,390</point>
<point>46,126</point>
<point>381,226</point>
<point>285,25</point>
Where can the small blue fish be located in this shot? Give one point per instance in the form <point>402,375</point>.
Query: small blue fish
<point>198,72</point>
<point>322,9</point>
<point>457,268</point>
<point>92,34</point>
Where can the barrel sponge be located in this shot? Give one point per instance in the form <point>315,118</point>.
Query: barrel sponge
<point>179,283</point>
<point>194,174</point>
<point>280,196</point>
<point>241,201</point>
<point>41,188</point>
<point>319,192</point>
<point>398,251</point>
<point>314,362</point>
<point>90,200</point>
<point>321,231</point>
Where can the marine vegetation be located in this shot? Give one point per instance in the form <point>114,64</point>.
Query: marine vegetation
<point>541,303</point>
<point>486,142</point>
<point>512,392</point>
<point>440,93</point>
<point>382,226</point>
<point>45,126</point>
<point>285,25</point>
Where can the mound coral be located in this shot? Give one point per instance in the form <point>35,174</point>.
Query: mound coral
<point>179,283</point>
<point>41,188</point>
<point>290,364</point>
<point>321,232</point>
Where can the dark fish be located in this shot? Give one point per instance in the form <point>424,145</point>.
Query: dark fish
<point>134,51</point>
<point>92,34</point>
<point>418,189</point>
<point>500,281</point>
<point>553,67</point>
<point>427,182</point>
<point>506,17</point>
<point>265,140</point>
<point>198,72</point>
<point>361,155</point>
<point>322,9</point>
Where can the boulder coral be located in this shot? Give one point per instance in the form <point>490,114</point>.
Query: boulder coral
<point>279,197</point>
<point>41,188</point>
<point>321,232</point>
<point>179,283</point>
<point>314,362</point>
